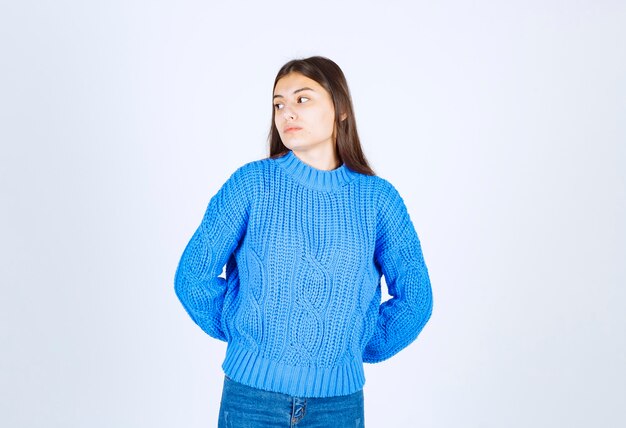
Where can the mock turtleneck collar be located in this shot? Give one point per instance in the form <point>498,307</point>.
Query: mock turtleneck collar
<point>312,177</point>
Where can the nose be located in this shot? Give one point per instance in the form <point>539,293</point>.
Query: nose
<point>288,113</point>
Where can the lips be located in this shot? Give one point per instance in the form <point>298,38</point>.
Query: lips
<point>291,129</point>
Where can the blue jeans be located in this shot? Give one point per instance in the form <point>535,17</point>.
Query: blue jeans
<point>243,406</point>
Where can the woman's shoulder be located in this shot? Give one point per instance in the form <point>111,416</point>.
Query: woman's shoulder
<point>248,169</point>
<point>381,185</point>
<point>255,166</point>
<point>387,194</point>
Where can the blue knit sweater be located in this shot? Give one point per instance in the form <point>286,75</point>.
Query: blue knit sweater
<point>304,250</point>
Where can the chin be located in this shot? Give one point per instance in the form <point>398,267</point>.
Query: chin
<point>295,146</point>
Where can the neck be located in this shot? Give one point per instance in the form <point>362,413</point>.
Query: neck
<point>322,158</point>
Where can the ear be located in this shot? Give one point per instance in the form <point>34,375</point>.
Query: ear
<point>343,117</point>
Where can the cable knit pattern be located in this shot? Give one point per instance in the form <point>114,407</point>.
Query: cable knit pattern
<point>305,250</point>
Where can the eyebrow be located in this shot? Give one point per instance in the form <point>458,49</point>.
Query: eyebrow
<point>295,92</point>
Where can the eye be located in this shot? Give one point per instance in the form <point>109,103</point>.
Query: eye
<point>301,98</point>
<point>278,106</point>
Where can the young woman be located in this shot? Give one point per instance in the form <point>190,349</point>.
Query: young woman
<point>306,235</point>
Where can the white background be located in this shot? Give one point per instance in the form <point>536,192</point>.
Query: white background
<point>502,124</point>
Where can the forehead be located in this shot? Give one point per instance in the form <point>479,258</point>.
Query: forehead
<point>293,81</point>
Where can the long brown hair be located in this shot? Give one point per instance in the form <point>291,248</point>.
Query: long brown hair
<point>330,77</point>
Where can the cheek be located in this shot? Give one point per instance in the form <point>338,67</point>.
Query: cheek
<point>278,130</point>
<point>278,127</point>
<point>329,123</point>
<point>325,121</point>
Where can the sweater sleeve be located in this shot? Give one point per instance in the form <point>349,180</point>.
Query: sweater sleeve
<point>197,283</point>
<point>398,253</point>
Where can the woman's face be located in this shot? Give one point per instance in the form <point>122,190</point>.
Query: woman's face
<point>304,114</point>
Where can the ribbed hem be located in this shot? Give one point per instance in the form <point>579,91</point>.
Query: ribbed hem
<point>312,177</point>
<point>250,369</point>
